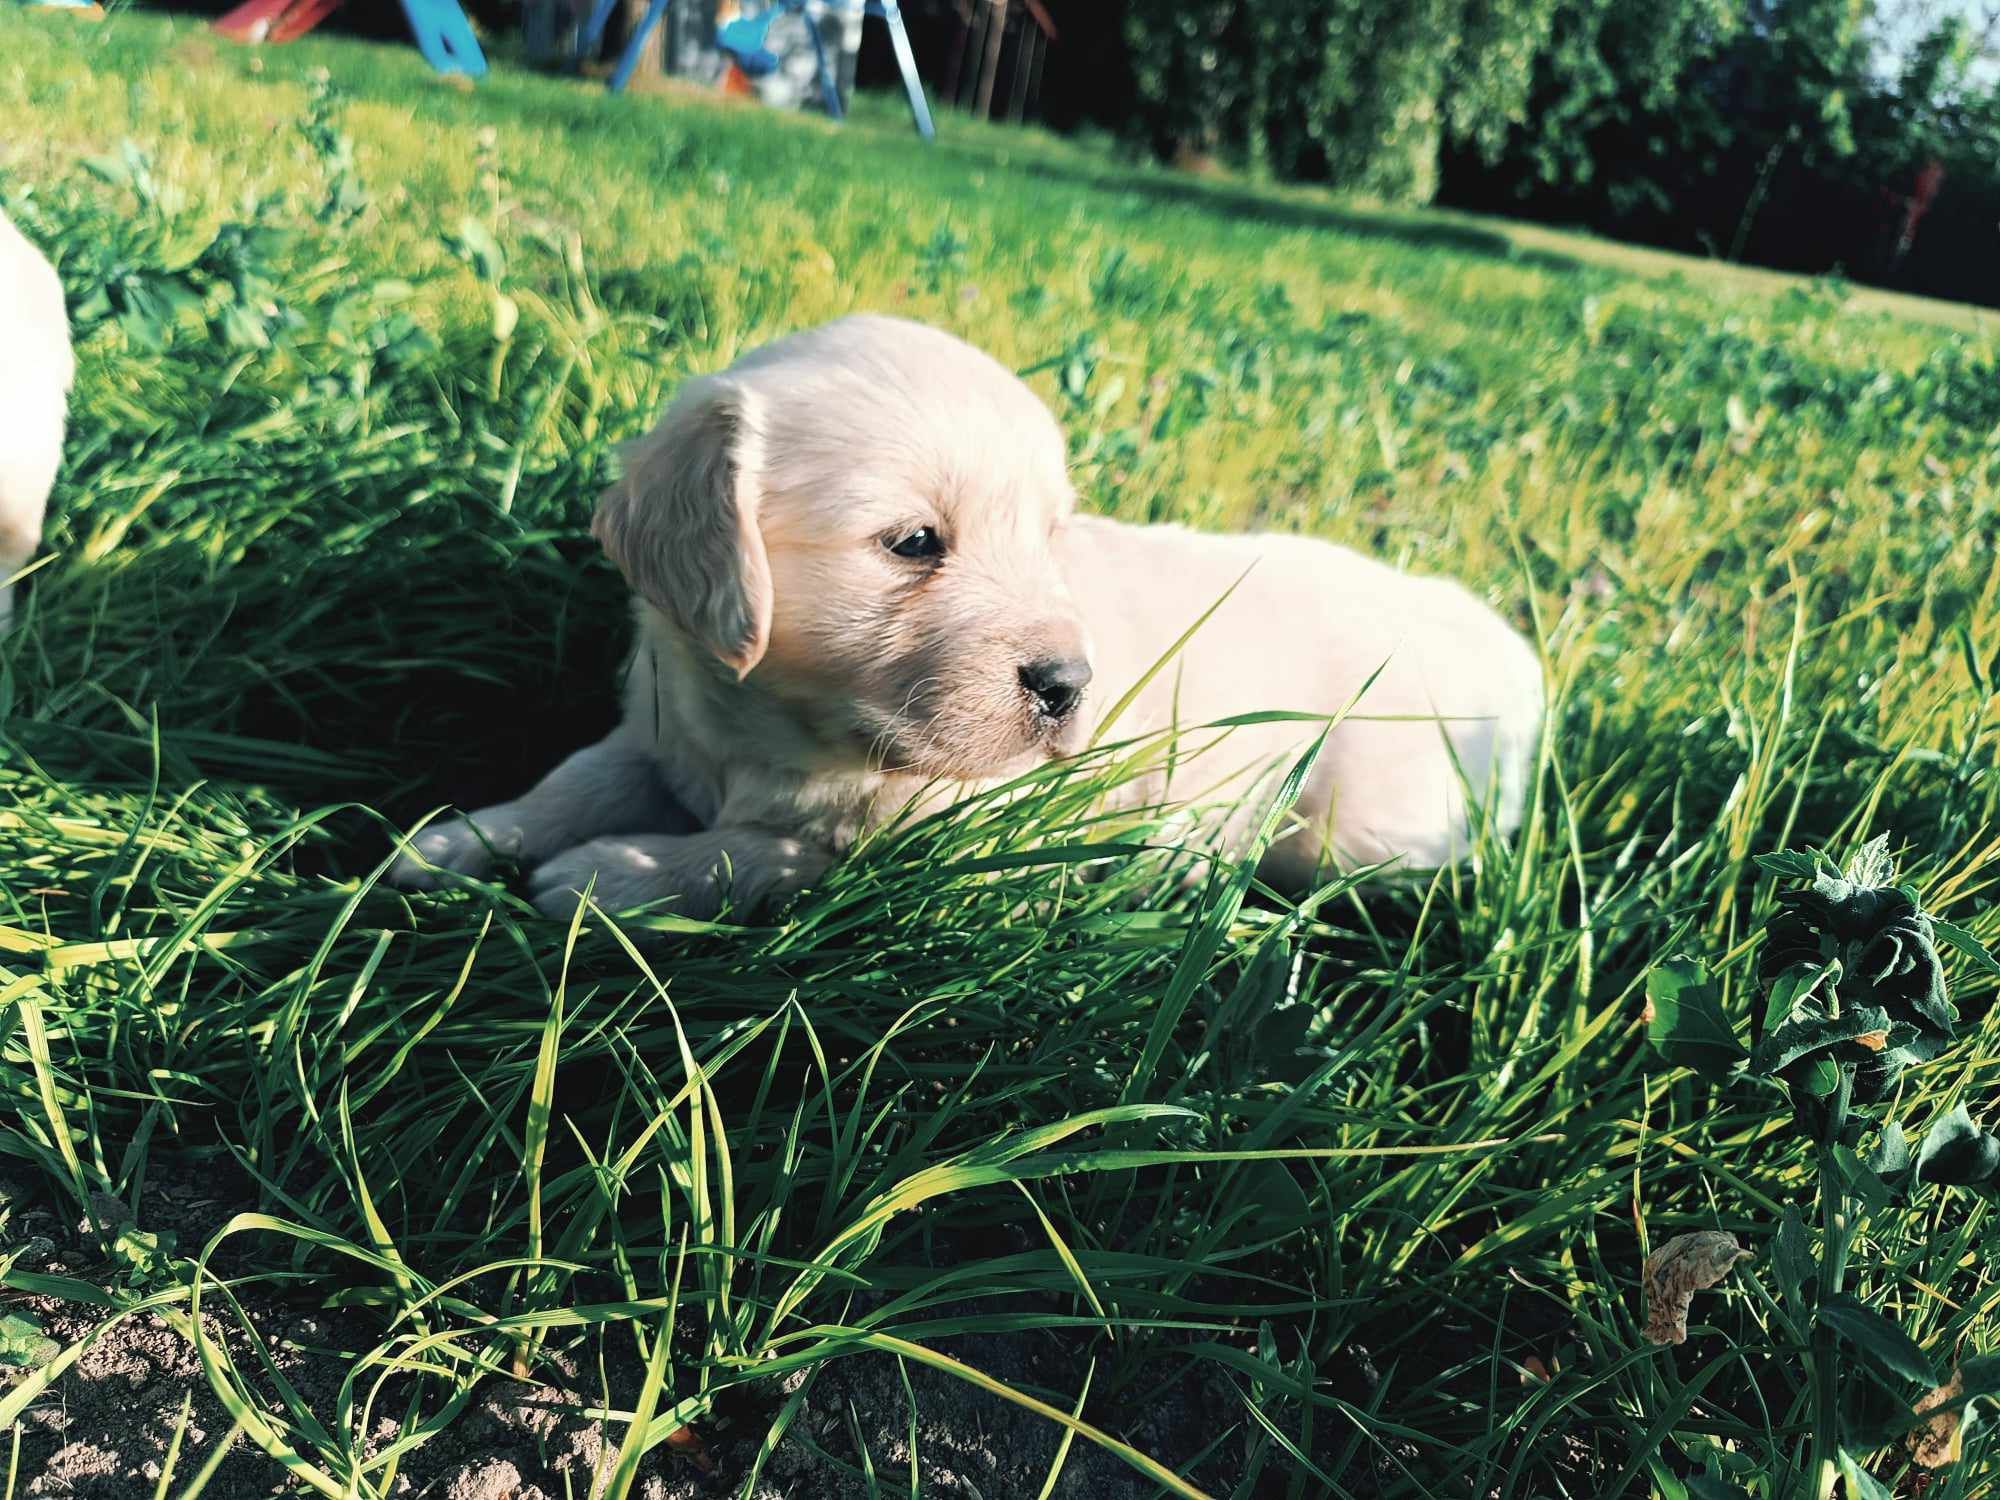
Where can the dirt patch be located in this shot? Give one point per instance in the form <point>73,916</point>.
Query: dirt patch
<point>102,1431</point>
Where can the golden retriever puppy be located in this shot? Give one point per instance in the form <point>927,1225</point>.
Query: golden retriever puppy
<point>36,368</point>
<point>860,572</point>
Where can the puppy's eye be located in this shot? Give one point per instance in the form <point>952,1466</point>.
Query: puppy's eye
<point>921,543</point>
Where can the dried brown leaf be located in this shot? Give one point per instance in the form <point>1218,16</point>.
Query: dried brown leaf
<point>1684,1265</point>
<point>1938,1442</point>
<point>687,1442</point>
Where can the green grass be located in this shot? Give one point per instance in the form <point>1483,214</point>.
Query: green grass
<point>1373,1169</point>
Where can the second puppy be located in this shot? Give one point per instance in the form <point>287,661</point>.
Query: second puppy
<point>36,367</point>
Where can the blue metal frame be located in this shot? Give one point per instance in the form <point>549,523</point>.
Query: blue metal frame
<point>445,37</point>
<point>592,36</point>
<point>906,63</point>
<point>636,43</point>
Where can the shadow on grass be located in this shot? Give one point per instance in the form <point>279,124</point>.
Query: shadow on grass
<point>450,673</point>
<point>1228,201</point>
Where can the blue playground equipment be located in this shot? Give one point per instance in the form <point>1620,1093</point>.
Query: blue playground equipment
<point>445,37</point>
<point>438,27</point>
<point>743,42</point>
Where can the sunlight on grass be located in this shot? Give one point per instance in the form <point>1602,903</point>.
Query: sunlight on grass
<point>1348,1190</point>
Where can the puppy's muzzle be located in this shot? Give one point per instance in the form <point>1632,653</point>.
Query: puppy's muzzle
<point>1056,685</point>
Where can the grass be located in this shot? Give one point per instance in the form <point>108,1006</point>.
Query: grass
<point>1374,1174</point>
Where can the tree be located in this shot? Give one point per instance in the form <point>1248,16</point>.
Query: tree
<point>1371,93</point>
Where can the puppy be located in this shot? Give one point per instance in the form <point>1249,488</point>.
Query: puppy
<point>36,368</point>
<point>860,572</point>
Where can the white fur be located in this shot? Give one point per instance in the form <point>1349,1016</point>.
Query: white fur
<point>795,680</point>
<point>36,368</point>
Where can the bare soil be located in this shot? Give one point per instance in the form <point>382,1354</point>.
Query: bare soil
<point>102,1431</point>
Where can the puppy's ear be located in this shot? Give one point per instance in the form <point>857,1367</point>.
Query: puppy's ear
<point>682,522</point>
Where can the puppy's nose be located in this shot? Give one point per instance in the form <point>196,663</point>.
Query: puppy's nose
<point>1057,683</point>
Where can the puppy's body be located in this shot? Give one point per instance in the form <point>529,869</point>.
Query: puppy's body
<point>1303,631</point>
<point>36,368</point>
<point>860,580</point>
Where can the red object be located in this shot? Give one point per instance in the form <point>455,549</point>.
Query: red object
<point>1924,193</point>
<point>250,21</point>
<point>274,20</point>
<point>301,18</point>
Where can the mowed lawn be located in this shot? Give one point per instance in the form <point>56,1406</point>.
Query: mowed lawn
<point>1345,1199</point>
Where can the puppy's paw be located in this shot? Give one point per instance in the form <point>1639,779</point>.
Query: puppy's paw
<point>455,847</point>
<point>619,873</point>
<point>751,868</point>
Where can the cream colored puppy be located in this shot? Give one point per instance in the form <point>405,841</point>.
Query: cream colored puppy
<point>36,368</point>
<point>859,571</point>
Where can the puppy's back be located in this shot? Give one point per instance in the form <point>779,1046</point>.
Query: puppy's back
<point>1450,696</point>
<point>36,368</point>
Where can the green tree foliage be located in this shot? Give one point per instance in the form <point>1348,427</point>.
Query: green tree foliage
<point>1741,128</point>
<point>1943,102</point>
<point>1369,93</point>
<point>1815,135</point>
<point>1612,86</point>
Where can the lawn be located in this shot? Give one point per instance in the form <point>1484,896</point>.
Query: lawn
<point>962,1173</point>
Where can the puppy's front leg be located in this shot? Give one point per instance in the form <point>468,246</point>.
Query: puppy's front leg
<point>612,784</point>
<point>747,865</point>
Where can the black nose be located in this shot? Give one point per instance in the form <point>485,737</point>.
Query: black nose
<point>1057,683</point>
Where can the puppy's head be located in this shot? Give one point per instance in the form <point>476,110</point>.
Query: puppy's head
<point>862,516</point>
